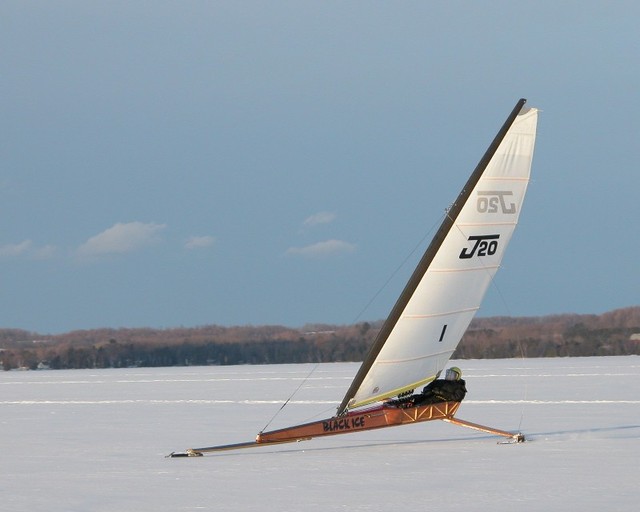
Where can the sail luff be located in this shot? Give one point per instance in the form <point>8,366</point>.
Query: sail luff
<point>427,258</point>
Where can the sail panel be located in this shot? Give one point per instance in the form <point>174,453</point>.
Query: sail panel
<point>417,367</point>
<point>457,291</point>
<point>444,302</point>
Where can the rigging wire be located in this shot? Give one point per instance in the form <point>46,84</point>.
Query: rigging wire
<point>290,397</point>
<point>520,348</point>
<point>400,266</point>
<point>526,388</point>
<point>375,296</point>
<point>495,286</point>
<point>505,304</point>
<point>394,273</point>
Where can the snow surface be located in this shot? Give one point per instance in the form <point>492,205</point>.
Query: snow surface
<point>95,440</point>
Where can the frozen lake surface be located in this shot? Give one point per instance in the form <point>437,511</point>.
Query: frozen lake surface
<point>95,440</point>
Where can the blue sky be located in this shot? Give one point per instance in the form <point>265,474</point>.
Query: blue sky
<point>188,163</point>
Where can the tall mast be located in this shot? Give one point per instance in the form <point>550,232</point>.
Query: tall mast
<point>427,258</point>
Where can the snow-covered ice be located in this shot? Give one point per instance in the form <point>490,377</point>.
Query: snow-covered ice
<point>95,440</point>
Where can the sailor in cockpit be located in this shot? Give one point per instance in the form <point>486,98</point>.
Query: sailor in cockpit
<point>450,389</point>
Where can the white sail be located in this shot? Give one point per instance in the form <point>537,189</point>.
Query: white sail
<point>449,293</point>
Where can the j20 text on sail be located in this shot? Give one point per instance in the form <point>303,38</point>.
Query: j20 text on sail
<point>485,245</point>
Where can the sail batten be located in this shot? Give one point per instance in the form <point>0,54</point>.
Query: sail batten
<point>446,288</point>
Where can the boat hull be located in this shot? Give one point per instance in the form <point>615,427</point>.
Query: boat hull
<point>370,419</point>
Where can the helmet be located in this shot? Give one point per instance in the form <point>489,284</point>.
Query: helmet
<point>453,373</point>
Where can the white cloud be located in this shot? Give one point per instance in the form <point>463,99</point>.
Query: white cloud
<point>44,253</point>
<point>122,238</point>
<point>12,250</point>
<point>319,218</point>
<point>27,249</point>
<point>322,249</point>
<point>199,242</point>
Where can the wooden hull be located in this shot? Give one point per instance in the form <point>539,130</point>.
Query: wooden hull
<point>370,419</point>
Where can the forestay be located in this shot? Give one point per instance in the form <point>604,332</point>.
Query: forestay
<point>447,292</point>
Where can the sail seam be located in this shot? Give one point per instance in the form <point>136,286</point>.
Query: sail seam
<point>434,315</point>
<point>470,269</point>
<point>504,178</point>
<point>467,224</point>
<point>410,359</point>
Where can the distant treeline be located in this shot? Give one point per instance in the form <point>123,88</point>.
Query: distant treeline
<point>613,333</point>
